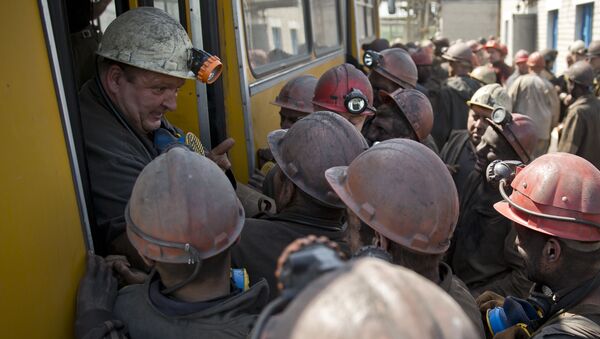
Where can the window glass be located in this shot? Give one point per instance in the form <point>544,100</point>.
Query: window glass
<point>584,25</point>
<point>325,25</point>
<point>360,23</point>
<point>275,33</point>
<point>364,19</point>
<point>169,6</point>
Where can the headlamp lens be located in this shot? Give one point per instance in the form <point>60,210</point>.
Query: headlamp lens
<point>356,105</point>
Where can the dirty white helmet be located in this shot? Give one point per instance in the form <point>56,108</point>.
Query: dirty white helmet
<point>150,39</point>
<point>577,47</point>
<point>491,95</point>
<point>484,74</point>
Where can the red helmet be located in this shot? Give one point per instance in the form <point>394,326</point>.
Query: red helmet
<point>521,56</point>
<point>556,185</point>
<point>417,109</point>
<point>297,94</point>
<point>395,64</point>
<point>421,57</point>
<point>536,60</point>
<point>493,44</point>
<point>344,89</point>
<point>519,130</point>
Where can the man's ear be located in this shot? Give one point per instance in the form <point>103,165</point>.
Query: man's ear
<point>284,189</point>
<point>113,78</point>
<point>552,251</point>
<point>149,262</point>
<point>382,242</point>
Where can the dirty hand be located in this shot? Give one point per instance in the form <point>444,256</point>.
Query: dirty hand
<point>219,154</point>
<point>122,267</point>
<point>98,287</point>
<point>488,300</point>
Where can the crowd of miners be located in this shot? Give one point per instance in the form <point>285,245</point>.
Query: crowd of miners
<point>431,191</point>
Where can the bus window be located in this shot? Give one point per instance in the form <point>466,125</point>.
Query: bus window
<point>275,34</point>
<point>175,8</point>
<point>326,31</point>
<point>364,20</point>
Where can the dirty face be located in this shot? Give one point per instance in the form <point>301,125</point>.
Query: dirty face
<point>494,55</point>
<point>492,147</point>
<point>389,123</point>
<point>476,122</point>
<point>381,83</point>
<point>144,96</point>
<point>289,117</point>
<point>523,68</point>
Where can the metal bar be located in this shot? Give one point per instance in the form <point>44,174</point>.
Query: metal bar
<point>245,92</point>
<point>66,122</point>
<point>201,97</point>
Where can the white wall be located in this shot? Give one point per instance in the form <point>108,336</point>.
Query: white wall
<point>469,19</point>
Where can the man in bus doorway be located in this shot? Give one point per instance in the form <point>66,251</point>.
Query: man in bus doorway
<point>144,58</point>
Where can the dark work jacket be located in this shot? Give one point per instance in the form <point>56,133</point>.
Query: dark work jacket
<point>459,154</point>
<point>483,253</point>
<point>233,317</point>
<point>115,157</point>
<point>263,240</point>
<point>503,71</point>
<point>451,109</point>
<point>582,321</point>
<point>581,131</point>
<point>460,293</point>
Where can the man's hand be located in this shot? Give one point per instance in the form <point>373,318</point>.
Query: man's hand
<point>488,300</point>
<point>121,266</point>
<point>219,154</point>
<point>98,287</point>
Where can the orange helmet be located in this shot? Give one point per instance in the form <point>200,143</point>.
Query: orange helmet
<point>297,94</point>
<point>404,191</point>
<point>521,56</point>
<point>493,44</point>
<point>557,194</point>
<point>417,109</point>
<point>344,89</point>
<point>183,209</point>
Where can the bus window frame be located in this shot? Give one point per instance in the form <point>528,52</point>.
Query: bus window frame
<point>362,6</point>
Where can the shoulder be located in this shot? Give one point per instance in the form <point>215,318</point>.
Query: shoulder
<point>580,322</point>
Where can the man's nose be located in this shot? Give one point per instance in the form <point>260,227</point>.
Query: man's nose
<point>170,100</point>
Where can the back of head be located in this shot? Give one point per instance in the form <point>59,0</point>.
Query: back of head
<point>398,66</point>
<point>297,94</point>
<point>312,145</point>
<point>150,39</point>
<point>536,62</point>
<point>491,96</point>
<point>183,209</point>
<point>459,52</point>
<point>369,298</point>
<point>580,73</point>
<point>403,190</point>
<point>484,74</point>
<point>338,86</point>
<point>417,109</point>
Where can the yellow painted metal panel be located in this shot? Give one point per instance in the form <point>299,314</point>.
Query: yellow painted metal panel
<point>41,244</point>
<point>265,116</point>
<point>231,87</point>
<point>186,115</point>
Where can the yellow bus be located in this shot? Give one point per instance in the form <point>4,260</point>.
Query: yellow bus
<point>45,223</point>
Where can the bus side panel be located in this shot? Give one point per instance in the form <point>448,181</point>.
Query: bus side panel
<point>232,89</point>
<point>186,115</point>
<point>41,243</point>
<point>265,116</point>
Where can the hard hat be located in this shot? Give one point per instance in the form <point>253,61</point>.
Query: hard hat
<point>183,209</point>
<point>556,184</point>
<point>581,73</point>
<point>594,48</point>
<point>416,108</point>
<point>521,56</point>
<point>493,44</point>
<point>536,60</point>
<point>150,39</point>
<point>518,129</point>
<point>490,96</point>
<point>370,298</point>
<point>459,52</point>
<point>312,145</point>
<point>484,74</point>
<point>421,57</point>
<point>474,44</point>
<point>344,89</point>
<point>395,64</point>
<point>404,191</point>
<point>503,49</point>
<point>577,47</point>
<point>297,94</point>
<point>376,45</point>
<point>549,54</point>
